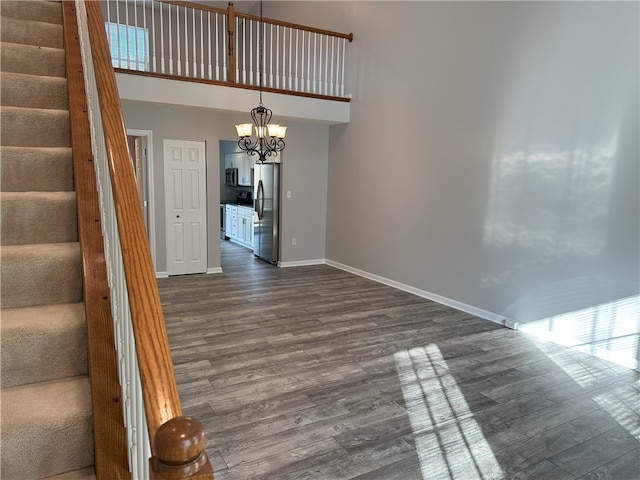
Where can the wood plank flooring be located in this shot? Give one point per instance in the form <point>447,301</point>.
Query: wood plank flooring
<point>314,373</point>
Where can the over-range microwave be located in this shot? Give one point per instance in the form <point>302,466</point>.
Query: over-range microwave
<point>231,175</point>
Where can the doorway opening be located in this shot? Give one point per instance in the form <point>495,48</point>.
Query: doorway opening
<point>141,151</point>
<point>236,206</point>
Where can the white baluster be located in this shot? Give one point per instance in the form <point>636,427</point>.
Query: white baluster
<point>216,35</point>
<point>108,6</point>
<point>135,33</point>
<point>147,64</point>
<point>195,48</point>
<point>326,68</point>
<point>162,58</point>
<point>244,51</point>
<point>237,20</point>
<point>308,87</point>
<point>154,62</point>
<point>290,59</point>
<point>297,75</point>
<point>314,88</point>
<point>271,55</point>
<point>224,35</point>
<point>277,56</point>
<point>285,77</point>
<point>251,78</point>
<point>118,32</point>
<point>126,35</point>
<point>202,45</point>
<point>186,44</point>
<point>209,65</point>
<point>170,41</point>
<point>333,59</point>
<point>179,49</point>
<point>344,46</point>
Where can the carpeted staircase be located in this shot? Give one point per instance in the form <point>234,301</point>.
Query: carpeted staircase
<point>46,428</point>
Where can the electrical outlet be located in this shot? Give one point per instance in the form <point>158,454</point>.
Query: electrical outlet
<point>294,241</point>
<point>288,194</point>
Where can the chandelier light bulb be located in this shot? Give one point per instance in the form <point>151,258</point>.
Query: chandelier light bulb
<point>244,129</point>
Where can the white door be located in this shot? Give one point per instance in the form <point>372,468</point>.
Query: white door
<point>185,206</point>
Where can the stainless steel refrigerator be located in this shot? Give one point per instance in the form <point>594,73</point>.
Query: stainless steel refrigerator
<point>266,218</point>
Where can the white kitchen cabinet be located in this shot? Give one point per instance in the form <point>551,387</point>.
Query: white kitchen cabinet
<point>245,226</point>
<point>245,173</point>
<point>231,221</point>
<point>239,224</point>
<point>244,164</point>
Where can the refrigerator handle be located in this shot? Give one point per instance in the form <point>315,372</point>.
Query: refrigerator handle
<point>260,200</point>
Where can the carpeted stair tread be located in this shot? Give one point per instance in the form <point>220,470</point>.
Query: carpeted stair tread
<point>26,169</point>
<point>35,127</point>
<point>42,60</point>
<point>29,32</point>
<point>38,217</point>
<point>48,12</point>
<point>46,422</point>
<point>41,424</point>
<point>39,335</point>
<point>33,91</point>
<point>40,274</point>
<point>84,474</point>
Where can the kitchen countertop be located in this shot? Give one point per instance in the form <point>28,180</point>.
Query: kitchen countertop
<point>246,205</point>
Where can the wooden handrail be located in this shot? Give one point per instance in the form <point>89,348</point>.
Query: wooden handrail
<point>159,389</point>
<point>197,6</point>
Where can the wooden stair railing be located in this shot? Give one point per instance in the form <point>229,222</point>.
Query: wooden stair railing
<point>110,441</point>
<point>176,442</point>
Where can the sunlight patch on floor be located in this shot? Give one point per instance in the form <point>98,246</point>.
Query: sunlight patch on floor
<point>610,331</point>
<point>449,442</point>
<point>623,406</point>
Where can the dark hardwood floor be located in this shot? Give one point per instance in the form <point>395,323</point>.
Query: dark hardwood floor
<point>314,373</point>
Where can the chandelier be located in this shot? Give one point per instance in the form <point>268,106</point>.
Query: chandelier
<point>269,139</point>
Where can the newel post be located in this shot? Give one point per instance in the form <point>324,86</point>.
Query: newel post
<point>179,451</point>
<point>231,30</point>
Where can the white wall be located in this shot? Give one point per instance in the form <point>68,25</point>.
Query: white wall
<point>492,154</point>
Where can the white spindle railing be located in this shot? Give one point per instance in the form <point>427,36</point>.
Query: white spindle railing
<point>164,38</point>
<point>139,450</point>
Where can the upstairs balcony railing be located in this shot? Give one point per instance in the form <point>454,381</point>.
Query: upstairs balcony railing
<point>217,45</point>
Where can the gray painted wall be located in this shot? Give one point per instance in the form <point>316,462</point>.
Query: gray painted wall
<point>492,153</point>
<point>304,174</point>
<point>492,156</point>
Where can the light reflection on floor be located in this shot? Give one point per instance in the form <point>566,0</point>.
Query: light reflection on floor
<point>449,442</point>
<point>610,331</point>
<point>620,401</point>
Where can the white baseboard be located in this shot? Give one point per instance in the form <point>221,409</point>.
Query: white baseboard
<point>209,270</point>
<point>478,312</point>
<point>302,263</point>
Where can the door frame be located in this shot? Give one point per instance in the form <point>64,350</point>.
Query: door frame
<point>148,166</point>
